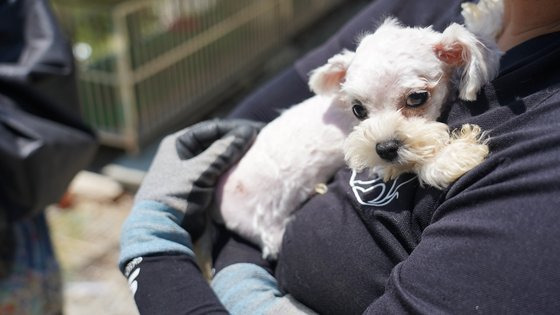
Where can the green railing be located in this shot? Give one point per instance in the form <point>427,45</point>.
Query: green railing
<point>144,65</point>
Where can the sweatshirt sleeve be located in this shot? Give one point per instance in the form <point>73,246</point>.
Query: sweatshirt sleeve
<point>158,261</point>
<point>249,289</point>
<point>171,284</point>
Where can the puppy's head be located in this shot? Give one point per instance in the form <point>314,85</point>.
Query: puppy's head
<point>396,84</point>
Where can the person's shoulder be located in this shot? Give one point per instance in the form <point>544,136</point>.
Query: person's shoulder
<point>531,133</point>
<point>523,136</point>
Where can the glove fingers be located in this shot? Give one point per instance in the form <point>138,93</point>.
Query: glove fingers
<point>196,139</point>
<point>222,154</point>
<point>199,137</point>
<point>216,159</point>
<point>225,126</point>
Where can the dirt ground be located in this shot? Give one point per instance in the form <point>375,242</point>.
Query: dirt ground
<point>86,240</point>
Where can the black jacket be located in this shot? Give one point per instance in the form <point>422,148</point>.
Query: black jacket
<point>43,142</point>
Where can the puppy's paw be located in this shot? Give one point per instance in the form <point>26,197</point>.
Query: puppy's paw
<point>469,134</point>
<point>466,149</point>
<point>271,243</point>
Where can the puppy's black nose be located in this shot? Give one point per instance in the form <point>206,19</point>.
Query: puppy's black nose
<point>388,150</point>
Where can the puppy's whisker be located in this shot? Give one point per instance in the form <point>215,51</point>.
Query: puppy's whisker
<point>434,84</point>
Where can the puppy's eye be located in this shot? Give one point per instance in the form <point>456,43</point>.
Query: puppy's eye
<point>416,99</point>
<point>359,110</point>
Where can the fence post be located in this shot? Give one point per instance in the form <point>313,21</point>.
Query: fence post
<point>126,80</point>
<point>286,17</point>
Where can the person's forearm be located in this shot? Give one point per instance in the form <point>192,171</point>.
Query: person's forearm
<point>243,280</point>
<point>249,289</point>
<point>171,284</point>
<point>151,229</point>
<point>159,263</point>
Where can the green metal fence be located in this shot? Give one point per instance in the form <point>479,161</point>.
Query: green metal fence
<point>143,65</point>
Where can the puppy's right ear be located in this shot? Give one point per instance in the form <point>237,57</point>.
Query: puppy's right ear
<point>326,79</point>
<point>460,48</point>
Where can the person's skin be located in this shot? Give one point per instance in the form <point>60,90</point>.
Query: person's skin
<point>526,19</point>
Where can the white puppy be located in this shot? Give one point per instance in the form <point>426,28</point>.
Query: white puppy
<point>396,84</point>
<point>399,105</point>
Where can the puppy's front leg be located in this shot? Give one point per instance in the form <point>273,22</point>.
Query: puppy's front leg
<point>467,148</point>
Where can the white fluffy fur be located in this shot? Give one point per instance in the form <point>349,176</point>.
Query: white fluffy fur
<point>290,157</point>
<point>429,150</point>
<point>484,18</point>
<point>326,79</point>
<point>303,147</point>
<point>480,61</point>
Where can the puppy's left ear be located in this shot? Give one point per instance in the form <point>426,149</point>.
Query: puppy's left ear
<point>461,48</point>
<point>326,79</point>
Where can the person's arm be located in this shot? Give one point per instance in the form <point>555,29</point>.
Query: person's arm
<point>244,281</point>
<point>169,208</point>
<point>156,249</point>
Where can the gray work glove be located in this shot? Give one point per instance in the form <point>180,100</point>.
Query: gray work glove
<point>188,164</point>
<point>179,186</point>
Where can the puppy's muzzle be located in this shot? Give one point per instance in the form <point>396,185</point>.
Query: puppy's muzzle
<point>388,150</point>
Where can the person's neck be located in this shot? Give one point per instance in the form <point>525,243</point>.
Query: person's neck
<point>526,19</point>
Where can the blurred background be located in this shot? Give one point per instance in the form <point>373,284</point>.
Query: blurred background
<point>146,68</point>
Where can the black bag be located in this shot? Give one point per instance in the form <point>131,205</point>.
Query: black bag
<point>43,142</point>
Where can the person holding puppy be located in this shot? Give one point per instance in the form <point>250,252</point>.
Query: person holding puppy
<point>484,244</point>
